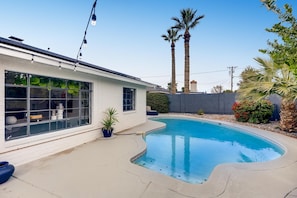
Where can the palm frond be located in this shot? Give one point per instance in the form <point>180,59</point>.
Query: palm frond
<point>187,20</point>
<point>271,79</point>
<point>176,19</point>
<point>172,35</point>
<point>196,21</point>
<point>165,37</point>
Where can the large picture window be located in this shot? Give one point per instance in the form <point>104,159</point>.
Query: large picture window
<point>128,99</point>
<point>37,104</point>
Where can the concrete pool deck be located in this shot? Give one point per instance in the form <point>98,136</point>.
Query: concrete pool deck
<point>102,168</point>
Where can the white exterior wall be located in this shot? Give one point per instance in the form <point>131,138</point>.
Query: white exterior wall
<point>106,93</point>
<point>110,94</point>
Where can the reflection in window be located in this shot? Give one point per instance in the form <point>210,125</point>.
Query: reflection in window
<point>15,78</point>
<point>39,93</point>
<point>39,81</point>
<point>36,104</point>
<point>58,93</point>
<point>16,92</point>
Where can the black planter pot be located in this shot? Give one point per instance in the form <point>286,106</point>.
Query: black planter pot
<point>6,170</point>
<point>107,132</point>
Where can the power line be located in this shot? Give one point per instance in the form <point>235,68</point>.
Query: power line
<point>198,73</point>
<point>231,72</point>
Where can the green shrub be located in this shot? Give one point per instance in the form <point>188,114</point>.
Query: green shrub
<point>253,112</point>
<point>262,112</point>
<point>158,102</point>
<point>200,112</point>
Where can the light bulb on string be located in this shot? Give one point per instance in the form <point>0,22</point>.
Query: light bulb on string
<point>85,42</point>
<point>93,22</point>
<point>32,59</point>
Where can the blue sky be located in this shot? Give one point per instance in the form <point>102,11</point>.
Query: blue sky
<point>127,37</point>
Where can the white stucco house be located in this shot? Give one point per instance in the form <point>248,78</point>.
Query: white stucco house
<point>50,103</point>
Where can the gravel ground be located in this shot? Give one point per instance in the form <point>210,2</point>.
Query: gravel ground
<point>271,126</point>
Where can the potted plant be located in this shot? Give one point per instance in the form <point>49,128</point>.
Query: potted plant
<point>109,121</point>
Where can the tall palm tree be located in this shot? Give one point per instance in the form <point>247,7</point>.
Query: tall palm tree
<point>172,36</point>
<point>187,21</point>
<point>273,79</point>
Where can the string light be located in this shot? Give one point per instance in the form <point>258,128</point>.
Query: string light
<point>92,18</point>
<point>94,15</point>
<point>75,66</point>
<point>32,59</point>
<point>85,42</point>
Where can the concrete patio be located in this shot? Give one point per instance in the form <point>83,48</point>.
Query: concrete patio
<point>103,169</point>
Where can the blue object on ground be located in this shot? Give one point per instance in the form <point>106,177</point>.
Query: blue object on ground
<point>152,112</point>
<point>6,171</point>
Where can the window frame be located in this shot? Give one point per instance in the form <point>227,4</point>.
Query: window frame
<point>129,99</point>
<point>37,115</point>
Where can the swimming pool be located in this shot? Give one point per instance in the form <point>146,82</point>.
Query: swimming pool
<point>189,149</point>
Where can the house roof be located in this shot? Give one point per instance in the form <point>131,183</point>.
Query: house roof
<point>21,45</point>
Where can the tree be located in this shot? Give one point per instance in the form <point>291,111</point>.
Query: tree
<point>217,89</point>
<point>187,21</point>
<point>172,36</point>
<point>246,75</point>
<point>283,52</point>
<point>229,91</point>
<point>284,59</point>
<point>169,87</point>
<point>273,79</point>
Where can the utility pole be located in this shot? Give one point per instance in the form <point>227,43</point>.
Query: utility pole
<point>231,72</point>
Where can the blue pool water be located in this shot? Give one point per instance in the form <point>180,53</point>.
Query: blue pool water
<point>189,149</point>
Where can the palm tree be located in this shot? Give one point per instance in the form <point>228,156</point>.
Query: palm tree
<point>172,36</point>
<point>246,75</point>
<point>187,21</point>
<point>273,79</point>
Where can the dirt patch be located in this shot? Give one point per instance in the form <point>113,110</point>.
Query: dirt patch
<point>271,126</point>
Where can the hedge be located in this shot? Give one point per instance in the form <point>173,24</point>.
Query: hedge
<point>158,102</point>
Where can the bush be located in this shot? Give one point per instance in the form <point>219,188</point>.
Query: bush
<point>158,102</point>
<point>200,112</point>
<point>262,112</point>
<point>253,112</point>
<point>242,111</point>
